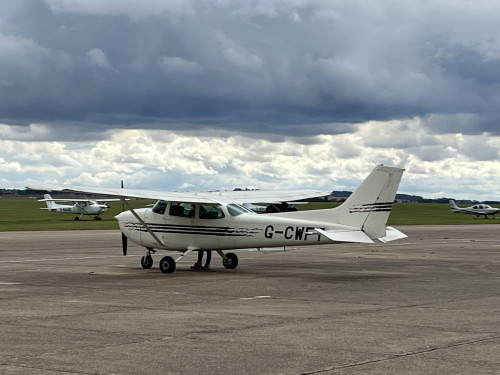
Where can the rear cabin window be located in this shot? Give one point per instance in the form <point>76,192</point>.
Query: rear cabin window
<point>182,209</point>
<point>211,212</point>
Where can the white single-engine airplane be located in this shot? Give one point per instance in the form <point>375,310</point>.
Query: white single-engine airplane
<point>478,209</point>
<point>79,206</point>
<point>197,221</point>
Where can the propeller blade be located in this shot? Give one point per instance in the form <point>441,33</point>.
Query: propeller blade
<point>124,244</point>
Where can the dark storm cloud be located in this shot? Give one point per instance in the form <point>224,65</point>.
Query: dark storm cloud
<point>280,67</point>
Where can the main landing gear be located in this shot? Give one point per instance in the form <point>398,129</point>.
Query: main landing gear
<point>168,264</point>
<point>229,260</point>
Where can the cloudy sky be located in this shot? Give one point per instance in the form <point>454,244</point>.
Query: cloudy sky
<point>206,94</point>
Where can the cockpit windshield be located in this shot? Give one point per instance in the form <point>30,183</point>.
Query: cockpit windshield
<point>237,209</point>
<point>159,207</point>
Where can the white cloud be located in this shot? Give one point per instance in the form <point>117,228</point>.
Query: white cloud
<point>436,165</point>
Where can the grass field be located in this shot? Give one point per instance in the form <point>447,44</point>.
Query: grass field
<point>25,214</point>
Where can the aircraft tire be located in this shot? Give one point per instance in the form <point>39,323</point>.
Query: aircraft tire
<point>147,262</point>
<point>167,264</point>
<point>232,261</point>
<point>77,218</point>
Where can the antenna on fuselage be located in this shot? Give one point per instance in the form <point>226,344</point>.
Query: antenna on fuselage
<point>123,204</point>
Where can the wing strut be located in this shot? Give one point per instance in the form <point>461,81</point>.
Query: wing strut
<point>184,253</point>
<point>146,226</point>
<point>82,208</point>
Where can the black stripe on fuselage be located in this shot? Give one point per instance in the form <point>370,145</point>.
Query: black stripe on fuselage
<point>193,229</point>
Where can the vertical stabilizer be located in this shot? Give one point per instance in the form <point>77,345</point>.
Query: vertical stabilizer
<point>453,206</point>
<point>51,205</point>
<point>370,205</point>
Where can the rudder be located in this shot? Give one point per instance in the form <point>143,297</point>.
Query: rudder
<point>51,205</point>
<point>370,205</point>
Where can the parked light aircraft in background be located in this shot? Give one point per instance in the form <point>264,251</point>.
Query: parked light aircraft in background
<point>255,207</point>
<point>274,207</point>
<point>478,209</point>
<point>197,221</point>
<point>79,206</point>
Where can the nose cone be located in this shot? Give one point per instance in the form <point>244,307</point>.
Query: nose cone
<point>130,226</point>
<point>125,216</point>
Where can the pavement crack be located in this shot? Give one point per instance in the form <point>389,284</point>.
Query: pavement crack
<point>33,368</point>
<point>391,357</point>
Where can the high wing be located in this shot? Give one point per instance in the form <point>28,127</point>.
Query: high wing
<point>240,196</point>
<point>78,200</point>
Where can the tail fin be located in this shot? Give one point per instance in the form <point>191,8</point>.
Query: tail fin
<point>453,205</point>
<point>51,205</point>
<point>370,205</point>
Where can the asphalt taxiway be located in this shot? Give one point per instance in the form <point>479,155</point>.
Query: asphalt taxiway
<point>70,303</point>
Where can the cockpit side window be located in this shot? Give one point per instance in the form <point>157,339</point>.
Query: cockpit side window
<point>159,207</point>
<point>182,209</point>
<point>211,212</point>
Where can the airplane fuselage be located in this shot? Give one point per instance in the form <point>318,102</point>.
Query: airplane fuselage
<point>246,230</point>
<point>478,209</point>
<point>91,209</point>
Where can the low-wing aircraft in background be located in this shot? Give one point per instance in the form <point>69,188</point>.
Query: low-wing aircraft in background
<point>255,207</point>
<point>79,206</point>
<point>478,209</point>
<point>198,221</point>
<point>274,206</point>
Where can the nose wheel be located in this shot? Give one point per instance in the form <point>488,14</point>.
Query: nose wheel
<point>147,261</point>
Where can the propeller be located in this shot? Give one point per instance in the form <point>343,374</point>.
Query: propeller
<point>124,244</point>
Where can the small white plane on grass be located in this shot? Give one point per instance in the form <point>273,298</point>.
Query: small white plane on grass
<point>199,221</point>
<point>478,210</point>
<point>79,206</point>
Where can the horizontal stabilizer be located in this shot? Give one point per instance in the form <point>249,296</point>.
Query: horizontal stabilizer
<point>392,234</point>
<point>345,236</point>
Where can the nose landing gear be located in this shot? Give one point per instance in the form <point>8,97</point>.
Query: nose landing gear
<point>147,260</point>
